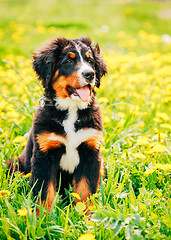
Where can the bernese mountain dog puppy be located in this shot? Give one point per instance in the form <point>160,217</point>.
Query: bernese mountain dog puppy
<point>64,142</point>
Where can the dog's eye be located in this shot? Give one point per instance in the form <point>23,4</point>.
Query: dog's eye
<point>69,61</point>
<point>91,61</point>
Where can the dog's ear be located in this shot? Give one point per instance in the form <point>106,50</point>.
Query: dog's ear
<point>45,59</point>
<point>100,66</point>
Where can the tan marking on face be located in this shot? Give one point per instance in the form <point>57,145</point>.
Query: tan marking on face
<point>55,75</point>
<point>82,189</point>
<point>87,54</point>
<point>47,141</point>
<point>62,82</point>
<point>72,55</point>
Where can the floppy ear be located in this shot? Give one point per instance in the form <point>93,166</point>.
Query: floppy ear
<point>45,59</point>
<point>100,66</point>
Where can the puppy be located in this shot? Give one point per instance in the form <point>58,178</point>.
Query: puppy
<point>65,138</point>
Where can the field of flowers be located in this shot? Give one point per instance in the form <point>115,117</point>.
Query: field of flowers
<point>134,199</point>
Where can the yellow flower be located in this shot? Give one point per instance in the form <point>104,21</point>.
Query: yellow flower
<point>120,123</point>
<point>165,167</point>
<point>121,115</point>
<point>92,208</point>
<point>22,212</point>
<point>129,10</point>
<point>158,193</point>
<point>143,141</point>
<point>125,154</point>
<point>28,175</point>
<point>103,149</point>
<point>102,100</point>
<point>87,236</point>
<point>159,148</point>
<point>166,99</point>
<point>160,136</point>
<point>154,215</point>
<point>18,139</point>
<point>76,195</point>
<point>163,116</point>
<point>4,193</point>
<point>80,207</point>
<point>106,119</point>
<point>123,94</point>
<point>139,155</point>
<point>142,206</point>
<point>141,124</point>
<point>166,126</point>
<point>158,120</point>
<point>149,171</point>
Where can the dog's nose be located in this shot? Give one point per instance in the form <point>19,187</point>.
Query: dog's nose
<point>88,75</point>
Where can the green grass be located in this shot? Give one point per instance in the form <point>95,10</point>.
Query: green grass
<point>134,199</point>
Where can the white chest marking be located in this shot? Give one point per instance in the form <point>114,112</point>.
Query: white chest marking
<point>70,160</point>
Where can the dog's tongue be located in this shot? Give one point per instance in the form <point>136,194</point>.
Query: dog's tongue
<point>84,93</point>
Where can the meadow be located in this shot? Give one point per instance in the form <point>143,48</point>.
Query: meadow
<point>134,200</point>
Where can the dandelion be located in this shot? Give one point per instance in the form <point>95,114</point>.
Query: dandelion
<point>158,193</point>
<point>103,100</point>
<point>157,120</point>
<point>4,193</point>
<point>18,139</point>
<point>120,123</point>
<point>121,115</point>
<point>125,154</point>
<point>76,195</point>
<point>166,126</point>
<point>160,136</point>
<point>166,99</point>
<point>143,141</point>
<point>139,155</point>
<point>103,149</point>
<point>80,207</point>
<point>87,236</point>
<point>159,148</point>
<point>106,119</point>
<point>28,175</point>
<point>163,116</point>
<point>92,208</point>
<point>141,124</point>
<point>22,212</point>
<point>149,171</point>
<point>165,167</point>
<point>123,94</point>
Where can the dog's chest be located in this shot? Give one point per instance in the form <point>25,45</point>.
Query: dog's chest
<point>70,160</point>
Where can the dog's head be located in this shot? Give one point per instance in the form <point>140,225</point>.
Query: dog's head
<point>69,68</point>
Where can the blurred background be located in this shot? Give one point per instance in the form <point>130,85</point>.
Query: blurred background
<point>115,24</point>
<point>135,98</point>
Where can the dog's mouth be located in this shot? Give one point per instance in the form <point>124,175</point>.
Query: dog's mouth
<point>83,93</point>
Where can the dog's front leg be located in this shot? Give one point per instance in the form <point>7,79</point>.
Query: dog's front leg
<point>43,178</point>
<point>87,174</point>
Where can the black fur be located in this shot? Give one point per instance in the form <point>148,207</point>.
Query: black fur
<point>45,164</point>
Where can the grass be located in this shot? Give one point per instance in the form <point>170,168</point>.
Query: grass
<point>133,201</point>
